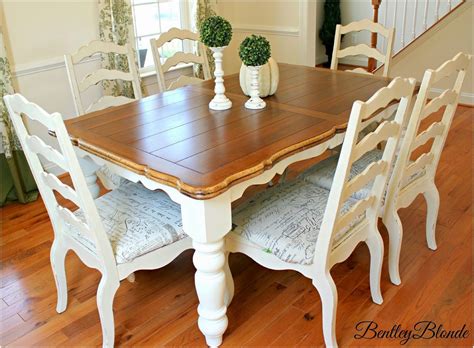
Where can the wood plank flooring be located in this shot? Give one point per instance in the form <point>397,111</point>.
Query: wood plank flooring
<point>270,308</point>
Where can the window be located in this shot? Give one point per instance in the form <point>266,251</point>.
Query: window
<point>153,17</point>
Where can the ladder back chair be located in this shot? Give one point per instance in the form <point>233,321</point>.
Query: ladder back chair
<point>95,77</point>
<point>409,177</point>
<point>363,49</point>
<point>177,58</point>
<point>297,225</point>
<point>412,177</point>
<point>128,229</point>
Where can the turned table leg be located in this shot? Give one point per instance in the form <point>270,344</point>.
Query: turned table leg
<point>89,168</point>
<point>210,281</point>
<point>207,222</point>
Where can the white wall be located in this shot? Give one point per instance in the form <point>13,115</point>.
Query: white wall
<point>39,34</point>
<point>289,25</point>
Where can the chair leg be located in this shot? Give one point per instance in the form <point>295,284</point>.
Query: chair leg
<point>432,206</point>
<point>58,258</point>
<point>229,281</point>
<point>375,244</point>
<point>105,298</point>
<point>328,293</point>
<point>395,233</point>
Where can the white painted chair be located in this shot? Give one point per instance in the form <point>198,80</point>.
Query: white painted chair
<point>299,226</point>
<point>95,77</point>
<point>177,58</point>
<point>363,49</point>
<point>128,229</point>
<point>410,177</point>
<point>108,178</point>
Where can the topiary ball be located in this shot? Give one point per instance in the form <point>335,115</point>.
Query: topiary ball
<point>216,32</point>
<point>255,50</point>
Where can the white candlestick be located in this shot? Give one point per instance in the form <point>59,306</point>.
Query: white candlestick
<point>255,102</point>
<point>220,101</point>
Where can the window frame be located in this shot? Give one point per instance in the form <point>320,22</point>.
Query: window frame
<point>185,19</point>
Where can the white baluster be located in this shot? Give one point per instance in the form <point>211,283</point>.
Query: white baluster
<point>220,101</point>
<point>437,10</point>
<point>425,15</point>
<point>385,21</point>
<point>413,33</point>
<point>394,25</point>
<point>450,5</point>
<point>404,23</point>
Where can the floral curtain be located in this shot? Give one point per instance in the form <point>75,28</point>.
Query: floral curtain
<point>204,9</point>
<point>16,181</point>
<point>116,25</point>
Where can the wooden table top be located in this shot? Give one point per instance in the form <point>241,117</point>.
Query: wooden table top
<point>175,139</point>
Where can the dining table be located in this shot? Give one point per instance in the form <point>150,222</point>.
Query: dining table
<point>205,159</point>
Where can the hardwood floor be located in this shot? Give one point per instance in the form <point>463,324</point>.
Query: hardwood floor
<point>270,308</point>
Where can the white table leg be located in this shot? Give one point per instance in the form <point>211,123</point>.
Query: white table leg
<point>210,281</point>
<point>207,222</point>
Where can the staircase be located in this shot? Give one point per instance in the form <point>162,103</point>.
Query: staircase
<point>411,18</point>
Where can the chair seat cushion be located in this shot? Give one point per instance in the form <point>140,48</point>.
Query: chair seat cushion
<point>136,220</point>
<point>285,220</point>
<point>322,174</point>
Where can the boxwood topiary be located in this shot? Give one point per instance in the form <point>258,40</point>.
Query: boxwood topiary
<point>216,32</point>
<point>255,50</point>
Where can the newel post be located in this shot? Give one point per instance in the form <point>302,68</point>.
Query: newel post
<point>375,4</point>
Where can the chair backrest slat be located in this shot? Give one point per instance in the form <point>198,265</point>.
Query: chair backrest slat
<point>33,146</point>
<point>93,78</point>
<point>38,146</point>
<point>181,57</point>
<point>97,46</point>
<point>55,184</point>
<point>435,129</point>
<point>447,97</point>
<point>101,75</point>
<point>363,49</point>
<point>107,102</point>
<point>371,140</point>
<point>71,219</point>
<point>377,171</point>
<point>356,210</point>
<point>364,178</point>
<point>178,57</point>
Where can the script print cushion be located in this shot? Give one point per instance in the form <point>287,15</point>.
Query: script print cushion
<point>137,221</point>
<point>285,220</point>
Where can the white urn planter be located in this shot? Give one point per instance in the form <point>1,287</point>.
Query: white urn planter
<point>268,78</point>
<point>220,101</point>
<point>255,102</point>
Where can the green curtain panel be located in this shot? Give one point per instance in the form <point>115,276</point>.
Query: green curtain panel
<point>116,25</point>
<point>204,10</point>
<point>16,181</point>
